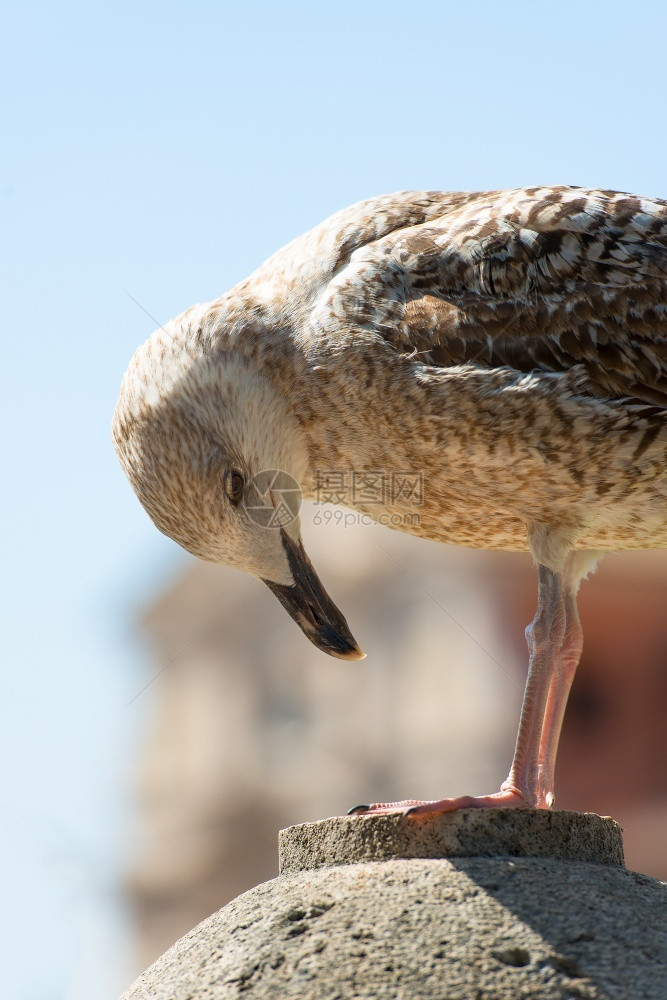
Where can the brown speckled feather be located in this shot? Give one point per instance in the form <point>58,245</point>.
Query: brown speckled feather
<point>541,278</point>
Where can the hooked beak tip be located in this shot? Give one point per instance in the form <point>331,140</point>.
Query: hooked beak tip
<point>312,609</point>
<point>354,654</point>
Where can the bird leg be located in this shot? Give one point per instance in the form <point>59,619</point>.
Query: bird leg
<point>545,636</point>
<point>554,641</point>
<point>559,691</point>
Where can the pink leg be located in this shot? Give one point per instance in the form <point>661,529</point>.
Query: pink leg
<point>554,642</point>
<point>558,695</point>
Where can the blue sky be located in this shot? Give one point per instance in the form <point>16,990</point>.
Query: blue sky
<point>159,152</point>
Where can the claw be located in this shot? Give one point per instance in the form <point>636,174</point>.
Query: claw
<point>509,797</point>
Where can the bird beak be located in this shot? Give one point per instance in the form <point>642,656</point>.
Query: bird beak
<point>311,607</point>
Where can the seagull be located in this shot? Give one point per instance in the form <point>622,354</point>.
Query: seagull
<point>504,352</point>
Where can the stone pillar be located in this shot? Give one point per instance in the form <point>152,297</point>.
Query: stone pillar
<point>494,904</point>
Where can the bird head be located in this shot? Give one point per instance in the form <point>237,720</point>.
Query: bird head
<point>216,457</point>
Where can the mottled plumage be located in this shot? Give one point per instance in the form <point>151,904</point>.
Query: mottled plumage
<point>511,347</point>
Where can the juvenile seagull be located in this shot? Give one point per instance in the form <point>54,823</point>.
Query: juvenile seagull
<point>511,346</point>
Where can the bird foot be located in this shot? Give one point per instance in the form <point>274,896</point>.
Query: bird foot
<point>506,798</point>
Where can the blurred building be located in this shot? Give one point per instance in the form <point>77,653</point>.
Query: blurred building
<point>251,728</point>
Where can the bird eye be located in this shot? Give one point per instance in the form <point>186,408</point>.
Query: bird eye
<point>235,486</point>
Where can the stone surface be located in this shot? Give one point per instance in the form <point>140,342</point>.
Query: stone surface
<point>459,928</point>
<point>537,833</point>
<point>498,929</point>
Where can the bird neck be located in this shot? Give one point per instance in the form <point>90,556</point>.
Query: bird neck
<point>344,431</point>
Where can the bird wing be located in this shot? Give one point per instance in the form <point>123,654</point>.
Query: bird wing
<point>534,279</point>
